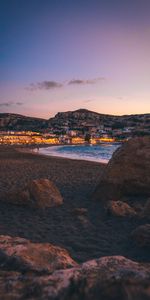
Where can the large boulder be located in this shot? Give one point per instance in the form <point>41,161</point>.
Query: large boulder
<point>108,278</point>
<point>120,209</point>
<point>128,172</point>
<point>19,254</point>
<point>38,193</point>
<point>141,236</point>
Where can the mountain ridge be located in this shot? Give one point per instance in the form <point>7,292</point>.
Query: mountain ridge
<point>80,117</point>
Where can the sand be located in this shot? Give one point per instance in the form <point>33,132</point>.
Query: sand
<point>90,236</point>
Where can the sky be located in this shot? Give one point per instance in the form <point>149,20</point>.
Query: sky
<point>60,55</point>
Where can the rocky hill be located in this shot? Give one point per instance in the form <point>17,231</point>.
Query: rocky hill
<point>77,119</point>
<point>20,123</point>
<point>82,118</point>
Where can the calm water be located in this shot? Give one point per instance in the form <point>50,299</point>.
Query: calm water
<point>98,153</point>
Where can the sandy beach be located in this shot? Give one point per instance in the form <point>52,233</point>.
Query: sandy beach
<point>93,236</point>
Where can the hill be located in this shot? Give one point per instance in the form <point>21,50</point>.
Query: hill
<point>82,118</point>
<point>17,122</point>
<point>75,120</point>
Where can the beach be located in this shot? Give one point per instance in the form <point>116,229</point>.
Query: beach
<point>92,236</point>
<point>98,153</point>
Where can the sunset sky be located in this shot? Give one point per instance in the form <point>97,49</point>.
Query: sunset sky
<point>60,55</point>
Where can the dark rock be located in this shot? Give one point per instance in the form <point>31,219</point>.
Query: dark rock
<point>19,254</point>
<point>120,209</point>
<point>81,214</point>
<point>80,211</point>
<point>39,193</point>
<point>108,278</point>
<point>128,172</point>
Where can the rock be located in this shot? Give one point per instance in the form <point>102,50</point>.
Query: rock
<point>141,236</point>
<point>120,209</point>
<point>84,221</point>
<point>107,278</point>
<point>19,254</point>
<point>128,172</point>
<point>40,193</point>
<point>80,211</point>
<point>45,193</point>
<point>81,214</point>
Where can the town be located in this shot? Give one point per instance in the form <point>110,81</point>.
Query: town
<point>77,127</point>
<point>34,138</point>
<point>92,135</point>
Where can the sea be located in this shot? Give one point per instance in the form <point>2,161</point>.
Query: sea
<point>98,153</point>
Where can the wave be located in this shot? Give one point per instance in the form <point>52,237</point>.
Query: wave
<point>98,153</point>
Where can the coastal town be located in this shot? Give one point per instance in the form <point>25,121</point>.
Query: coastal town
<point>77,127</point>
<point>31,138</point>
<point>75,150</point>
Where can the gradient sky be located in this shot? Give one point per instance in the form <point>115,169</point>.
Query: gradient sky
<point>60,55</point>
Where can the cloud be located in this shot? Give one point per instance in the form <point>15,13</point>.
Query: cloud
<point>44,85</point>
<point>87,101</point>
<point>6,104</point>
<point>9,103</point>
<point>49,85</point>
<point>85,81</point>
<point>19,103</point>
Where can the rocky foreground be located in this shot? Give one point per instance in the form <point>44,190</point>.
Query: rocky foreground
<point>42,271</point>
<point>108,278</point>
<point>111,224</point>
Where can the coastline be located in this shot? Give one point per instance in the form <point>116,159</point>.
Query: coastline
<point>87,152</point>
<point>31,151</point>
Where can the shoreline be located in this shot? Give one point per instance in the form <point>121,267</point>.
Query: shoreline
<point>36,149</point>
<point>31,151</point>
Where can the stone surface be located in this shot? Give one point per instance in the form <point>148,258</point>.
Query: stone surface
<point>141,235</point>
<point>81,214</point>
<point>19,254</point>
<point>120,209</point>
<point>128,172</point>
<point>80,211</point>
<point>38,193</point>
<point>108,278</point>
